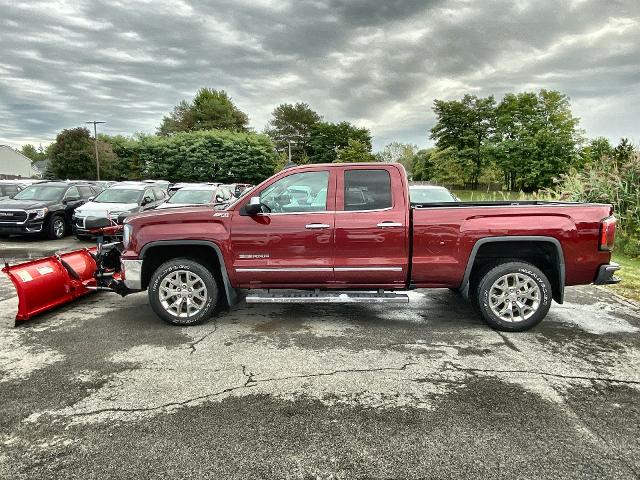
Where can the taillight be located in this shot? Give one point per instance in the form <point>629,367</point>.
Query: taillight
<point>607,233</point>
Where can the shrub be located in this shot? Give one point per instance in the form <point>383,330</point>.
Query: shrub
<point>211,155</point>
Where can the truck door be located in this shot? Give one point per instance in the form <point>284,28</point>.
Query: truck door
<point>291,242</point>
<point>371,228</point>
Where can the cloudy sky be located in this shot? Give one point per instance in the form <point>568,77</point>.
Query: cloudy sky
<point>378,63</point>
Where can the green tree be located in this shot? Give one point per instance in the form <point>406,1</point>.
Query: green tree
<point>422,165</point>
<point>127,164</point>
<point>212,155</point>
<point>623,151</point>
<point>355,151</point>
<point>72,156</point>
<point>34,154</point>
<point>210,109</point>
<point>536,139</point>
<point>326,139</point>
<point>403,153</point>
<point>463,127</point>
<point>594,150</point>
<point>291,123</point>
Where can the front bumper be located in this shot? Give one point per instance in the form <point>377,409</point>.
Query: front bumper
<point>132,273</point>
<point>606,274</point>
<point>20,229</point>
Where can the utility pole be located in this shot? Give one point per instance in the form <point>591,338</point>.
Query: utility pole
<point>289,151</point>
<point>95,141</point>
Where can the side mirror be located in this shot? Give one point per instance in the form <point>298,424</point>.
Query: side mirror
<point>254,206</point>
<point>71,199</point>
<point>146,201</point>
<point>90,199</point>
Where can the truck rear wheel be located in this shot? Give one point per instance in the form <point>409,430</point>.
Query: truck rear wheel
<point>514,296</point>
<point>183,292</point>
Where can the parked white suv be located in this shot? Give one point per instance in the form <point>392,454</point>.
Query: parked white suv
<point>118,199</point>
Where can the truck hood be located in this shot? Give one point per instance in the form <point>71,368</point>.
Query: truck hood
<point>202,223</point>
<point>11,204</point>
<point>172,215</point>
<point>95,209</point>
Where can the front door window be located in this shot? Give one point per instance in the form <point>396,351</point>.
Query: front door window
<point>300,192</point>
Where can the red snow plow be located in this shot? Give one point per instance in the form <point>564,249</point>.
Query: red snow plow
<point>49,282</point>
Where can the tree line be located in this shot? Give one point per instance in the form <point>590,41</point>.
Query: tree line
<point>522,142</point>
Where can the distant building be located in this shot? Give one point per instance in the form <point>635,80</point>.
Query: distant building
<point>41,167</point>
<point>13,164</point>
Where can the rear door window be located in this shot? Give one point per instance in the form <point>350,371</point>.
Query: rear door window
<point>160,194</point>
<point>72,193</point>
<point>367,189</point>
<point>85,192</point>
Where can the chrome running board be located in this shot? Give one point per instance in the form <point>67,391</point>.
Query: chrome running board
<point>324,296</point>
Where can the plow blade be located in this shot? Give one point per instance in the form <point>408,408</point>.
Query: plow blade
<point>52,281</point>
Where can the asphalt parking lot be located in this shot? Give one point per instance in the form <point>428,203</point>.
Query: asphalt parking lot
<point>103,389</point>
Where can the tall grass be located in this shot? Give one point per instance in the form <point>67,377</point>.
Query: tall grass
<point>485,196</point>
<point>610,180</point>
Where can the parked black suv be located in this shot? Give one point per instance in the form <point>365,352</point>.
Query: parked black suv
<point>43,208</point>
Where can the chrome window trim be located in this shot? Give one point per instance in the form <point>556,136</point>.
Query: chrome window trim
<point>330,212</point>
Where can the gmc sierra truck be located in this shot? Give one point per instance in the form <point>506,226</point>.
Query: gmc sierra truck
<point>348,233</point>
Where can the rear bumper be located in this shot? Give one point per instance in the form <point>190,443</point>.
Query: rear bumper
<point>606,274</point>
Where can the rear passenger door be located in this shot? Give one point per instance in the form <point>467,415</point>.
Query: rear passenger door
<point>371,228</point>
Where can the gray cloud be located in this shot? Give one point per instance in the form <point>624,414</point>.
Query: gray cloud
<point>378,64</point>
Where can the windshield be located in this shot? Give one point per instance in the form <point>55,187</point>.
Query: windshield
<point>118,195</point>
<point>430,195</point>
<point>193,197</point>
<point>41,193</point>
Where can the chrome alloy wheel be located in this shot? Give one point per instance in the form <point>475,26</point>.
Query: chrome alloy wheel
<point>58,227</point>
<point>514,297</point>
<point>183,294</point>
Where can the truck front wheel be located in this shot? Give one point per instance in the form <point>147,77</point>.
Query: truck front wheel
<point>183,292</point>
<point>514,296</point>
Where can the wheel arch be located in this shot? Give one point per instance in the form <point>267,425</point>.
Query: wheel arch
<point>544,252</point>
<point>155,253</point>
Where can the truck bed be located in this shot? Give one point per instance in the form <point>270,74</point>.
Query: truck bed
<point>446,237</point>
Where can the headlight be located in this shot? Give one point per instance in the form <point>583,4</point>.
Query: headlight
<point>126,235</point>
<point>39,213</point>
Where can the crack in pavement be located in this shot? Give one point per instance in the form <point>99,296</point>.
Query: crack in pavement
<point>250,382</point>
<point>543,374</point>
<point>249,376</point>
<point>192,345</point>
<point>508,342</point>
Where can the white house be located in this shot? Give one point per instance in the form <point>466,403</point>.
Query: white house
<point>13,164</point>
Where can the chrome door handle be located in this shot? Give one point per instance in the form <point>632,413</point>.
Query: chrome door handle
<point>390,224</point>
<point>312,226</point>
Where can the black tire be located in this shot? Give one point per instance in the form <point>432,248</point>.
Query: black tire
<point>56,227</point>
<point>172,267</point>
<point>524,319</point>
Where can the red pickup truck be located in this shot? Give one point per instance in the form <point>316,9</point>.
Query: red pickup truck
<point>348,233</point>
